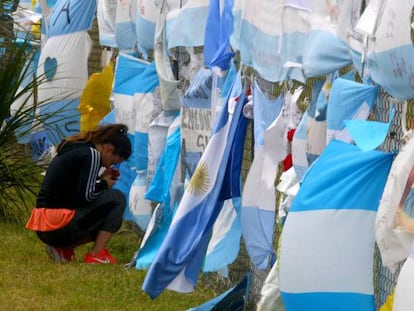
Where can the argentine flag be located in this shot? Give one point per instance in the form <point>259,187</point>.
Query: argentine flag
<point>327,243</point>
<point>146,19</point>
<point>217,178</point>
<point>258,203</point>
<point>310,136</point>
<point>125,29</point>
<point>166,189</point>
<point>390,60</point>
<point>196,120</point>
<point>64,63</point>
<point>134,84</point>
<point>224,245</point>
<point>195,134</point>
<point>185,25</point>
<point>170,94</point>
<point>106,22</point>
<point>217,49</point>
<point>348,100</point>
<point>324,51</point>
<point>270,33</point>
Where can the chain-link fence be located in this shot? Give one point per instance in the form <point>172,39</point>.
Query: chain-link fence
<point>384,279</point>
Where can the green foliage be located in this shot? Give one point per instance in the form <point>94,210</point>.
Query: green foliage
<point>31,281</point>
<point>19,175</point>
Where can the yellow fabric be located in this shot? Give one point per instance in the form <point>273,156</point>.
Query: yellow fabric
<point>387,306</point>
<point>36,27</point>
<point>94,102</point>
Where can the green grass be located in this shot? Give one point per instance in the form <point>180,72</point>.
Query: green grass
<point>30,280</point>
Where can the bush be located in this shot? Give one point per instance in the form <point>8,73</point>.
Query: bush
<point>19,174</point>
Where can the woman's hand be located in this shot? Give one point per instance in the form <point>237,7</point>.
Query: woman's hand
<point>110,171</point>
<point>109,180</point>
<point>110,175</point>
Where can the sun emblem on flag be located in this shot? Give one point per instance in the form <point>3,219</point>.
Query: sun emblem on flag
<point>200,182</point>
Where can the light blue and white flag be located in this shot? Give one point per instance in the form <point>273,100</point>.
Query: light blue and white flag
<point>348,100</point>
<point>273,119</point>
<point>324,51</point>
<point>309,139</point>
<point>71,17</point>
<point>170,95</point>
<point>269,35</point>
<point>217,178</point>
<point>165,176</point>
<point>185,25</point>
<point>224,244</point>
<point>64,62</point>
<point>327,243</point>
<point>139,208</point>
<point>146,19</point>
<point>125,29</point>
<point>196,120</point>
<point>217,49</point>
<point>258,203</point>
<point>390,60</point>
<point>134,84</point>
<point>166,189</point>
<point>369,135</point>
<point>105,16</point>
<point>195,135</point>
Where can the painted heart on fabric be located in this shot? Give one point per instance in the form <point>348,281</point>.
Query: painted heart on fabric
<point>50,67</point>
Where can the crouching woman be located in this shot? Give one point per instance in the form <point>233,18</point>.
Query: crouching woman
<point>76,204</point>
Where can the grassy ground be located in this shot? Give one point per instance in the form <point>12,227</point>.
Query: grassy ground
<point>30,280</point>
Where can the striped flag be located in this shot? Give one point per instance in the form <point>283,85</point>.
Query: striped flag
<point>258,204</point>
<point>64,62</point>
<point>310,136</point>
<point>185,25</point>
<point>224,244</point>
<point>217,51</point>
<point>134,105</point>
<point>170,95</point>
<point>217,178</point>
<point>269,34</point>
<point>327,243</point>
<point>390,60</point>
<point>146,19</point>
<point>324,51</point>
<point>166,189</point>
<point>348,100</point>
<point>106,22</point>
<point>125,29</point>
